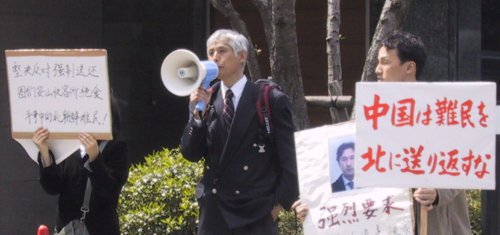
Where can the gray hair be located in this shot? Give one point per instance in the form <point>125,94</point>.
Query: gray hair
<point>233,39</point>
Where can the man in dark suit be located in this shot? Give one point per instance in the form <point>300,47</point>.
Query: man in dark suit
<point>247,178</point>
<point>345,158</point>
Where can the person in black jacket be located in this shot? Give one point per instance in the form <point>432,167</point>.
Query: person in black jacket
<point>247,178</point>
<point>107,170</point>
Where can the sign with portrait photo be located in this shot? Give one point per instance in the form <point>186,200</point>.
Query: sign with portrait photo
<point>359,211</point>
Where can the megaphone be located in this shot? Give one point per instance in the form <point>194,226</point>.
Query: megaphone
<point>182,73</point>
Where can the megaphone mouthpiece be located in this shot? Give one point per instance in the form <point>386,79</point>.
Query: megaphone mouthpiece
<point>188,72</point>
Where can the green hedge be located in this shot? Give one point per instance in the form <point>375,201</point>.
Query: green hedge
<point>159,198</point>
<point>474,200</point>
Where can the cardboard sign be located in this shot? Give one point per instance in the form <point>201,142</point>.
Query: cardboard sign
<point>66,91</point>
<point>438,135</point>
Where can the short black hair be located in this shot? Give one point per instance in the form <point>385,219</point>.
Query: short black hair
<point>409,48</point>
<point>343,147</point>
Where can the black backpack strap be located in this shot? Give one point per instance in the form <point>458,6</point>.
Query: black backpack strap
<point>264,109</point>
<point>263,105</point>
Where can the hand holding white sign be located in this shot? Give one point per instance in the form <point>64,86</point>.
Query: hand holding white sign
<point>64,91</point>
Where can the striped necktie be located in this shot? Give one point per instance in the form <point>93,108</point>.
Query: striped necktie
<point>228,111</point>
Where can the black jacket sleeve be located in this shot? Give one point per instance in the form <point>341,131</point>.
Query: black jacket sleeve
<point>110,170</point>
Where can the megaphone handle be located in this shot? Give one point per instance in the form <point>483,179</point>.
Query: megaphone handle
<point>200,106</point>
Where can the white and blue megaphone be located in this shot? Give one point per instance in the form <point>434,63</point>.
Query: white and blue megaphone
<point>182,73</point>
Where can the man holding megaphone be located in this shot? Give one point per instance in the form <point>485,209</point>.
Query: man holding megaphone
<point>247,178</point>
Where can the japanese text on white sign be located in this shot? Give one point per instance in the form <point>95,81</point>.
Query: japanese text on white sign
<point>439,135</point>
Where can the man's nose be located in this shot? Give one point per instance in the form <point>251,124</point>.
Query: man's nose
<point>215,57</point>
<point>378,69</point>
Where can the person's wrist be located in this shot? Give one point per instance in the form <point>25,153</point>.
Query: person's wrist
<point>46,159</point>
<point>93,157</point>
<point>45,152</point>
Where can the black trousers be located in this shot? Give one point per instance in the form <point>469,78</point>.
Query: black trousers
<point>212,222</point>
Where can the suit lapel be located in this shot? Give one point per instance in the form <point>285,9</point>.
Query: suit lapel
<point>219,107</point>
<point>244,114</point>
<point>216,126</point>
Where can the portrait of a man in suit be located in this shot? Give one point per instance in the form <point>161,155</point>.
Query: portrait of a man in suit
<point>345,160</point>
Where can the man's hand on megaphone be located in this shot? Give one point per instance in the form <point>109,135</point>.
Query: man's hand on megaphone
<point>199,94</point>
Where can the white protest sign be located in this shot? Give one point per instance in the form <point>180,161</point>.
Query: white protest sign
<point>66,91</point>
<point>360,211</point>
<point>61,149</point>
<point>366,211</point>
<point>439,135</point>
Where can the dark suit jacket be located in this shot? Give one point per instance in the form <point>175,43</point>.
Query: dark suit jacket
<point>338,185</point>
<point>244,183</point>
<point>69,179</point>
